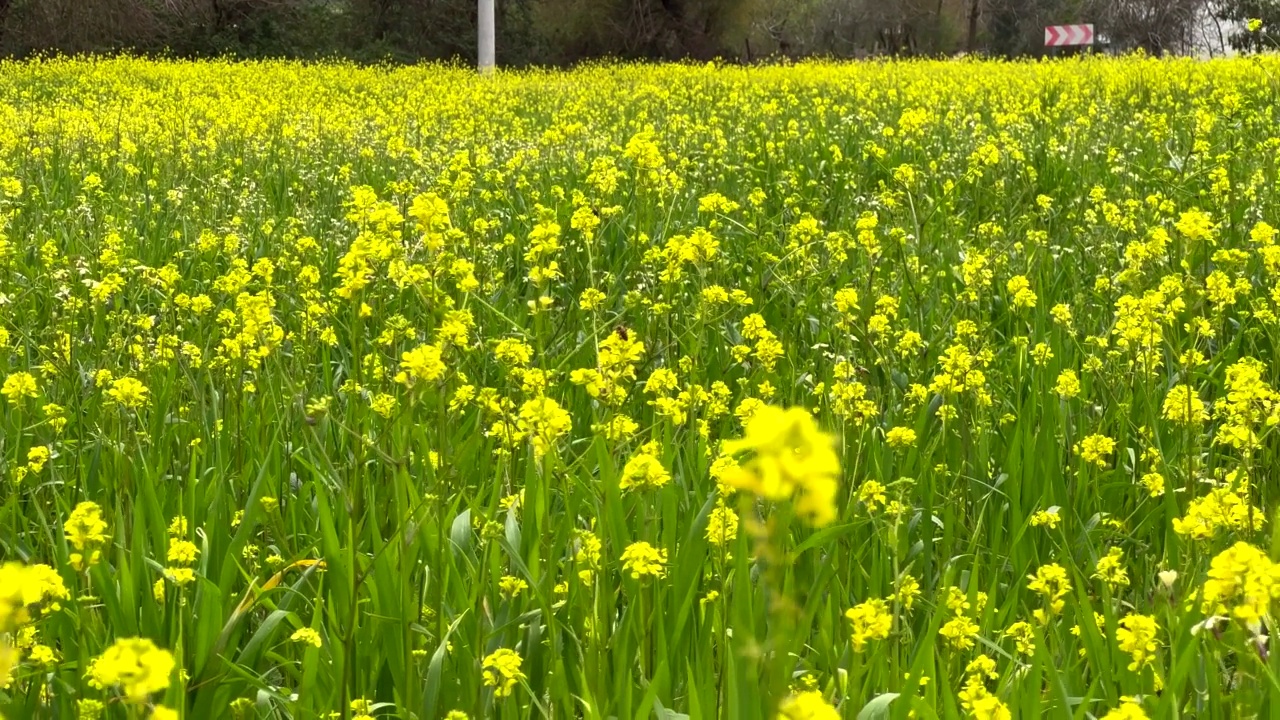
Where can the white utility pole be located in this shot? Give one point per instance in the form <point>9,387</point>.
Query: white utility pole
<point>485,44</point>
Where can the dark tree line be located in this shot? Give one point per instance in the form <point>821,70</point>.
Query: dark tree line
<point>564,31</point>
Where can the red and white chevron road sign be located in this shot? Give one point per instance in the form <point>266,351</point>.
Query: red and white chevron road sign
<point>1060,35</point>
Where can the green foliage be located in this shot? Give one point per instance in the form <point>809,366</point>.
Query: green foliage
<point>1240,12</point>
<point>559,32</point>
<point>365,304</point>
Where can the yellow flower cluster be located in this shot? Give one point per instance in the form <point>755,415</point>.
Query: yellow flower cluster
<point>1129,710</point>
<point>22,589</point>
<point>1137,636</point>
<point>1224,508</point>
<point>960,630</point>
<point>1184,407</point>
<point>86,531</point>
<point>807,705</point>
<point>641,560</point>
<point>1051,582</point>
<point>19,386</point>
<point>1242,582</point>
<point>644,472</point>
<point>789,459</point>
<point>871,621</point>
<point>975,698</point>
<point>181,555</point>
<point>501,671</point>
<point>135,666</point>
<point>1096,449</point>
<point>678,379</point>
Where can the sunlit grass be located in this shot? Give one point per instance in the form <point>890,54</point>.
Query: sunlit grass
<point>399,392</point>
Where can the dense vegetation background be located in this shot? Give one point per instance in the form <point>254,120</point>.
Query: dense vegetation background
<point>565,31</point>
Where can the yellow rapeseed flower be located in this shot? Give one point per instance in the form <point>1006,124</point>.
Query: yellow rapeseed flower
<point>722,526</point>
<point>1183,406</point>
<point>421,364</point>
<point>307,636</point>
<point>1110,569</point>
<point>871,621</point>
<point>959,632</point>
<point>135,666</point>
<point>807,705</point>
<point>789,457</point>
<point>86,531</point>
<point>1242,581</point>
<point>501,671</point>
<point>643,472</point>
<point>1128,710</point>
<point>1137,637</point>
<point>900,437</point>
<point>543,421</point>
<point>1095,449</point>
<point>19,386</point>
<point>640,560</point>
<point>128,392</point>
<point>1052,582</point>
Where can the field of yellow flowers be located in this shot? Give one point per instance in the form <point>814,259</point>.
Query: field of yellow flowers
<point>942,390</point>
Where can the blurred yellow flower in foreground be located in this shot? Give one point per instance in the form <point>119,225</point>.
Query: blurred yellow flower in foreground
<point>790,458</point>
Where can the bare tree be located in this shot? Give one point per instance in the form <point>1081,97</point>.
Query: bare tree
<point>975,13</point>
<point>5,5</point>
<point>1238,13</point>
<point>1157,26</point>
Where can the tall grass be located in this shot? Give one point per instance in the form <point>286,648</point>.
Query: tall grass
<point>260,245</point>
